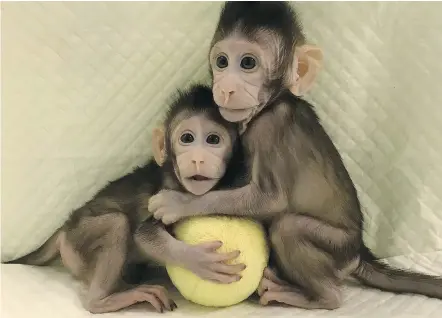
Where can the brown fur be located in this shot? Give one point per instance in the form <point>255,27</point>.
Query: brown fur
<point>95,241</point>
<point>298,182</point>
<point>114,230</point>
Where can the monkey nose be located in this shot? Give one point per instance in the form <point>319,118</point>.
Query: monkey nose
<point>195,162</point>
<point>198,164</point>
<point>227,93</point>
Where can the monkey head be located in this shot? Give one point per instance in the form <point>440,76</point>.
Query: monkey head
<point>257,50</point>
<point>202,148</point>
<point>198,143</point>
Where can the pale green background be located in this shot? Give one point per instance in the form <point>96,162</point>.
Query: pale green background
<point>83,83</point>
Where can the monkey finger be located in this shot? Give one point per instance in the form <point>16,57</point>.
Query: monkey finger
<point>224,257</point>
<point>154,203</point>
<point>159,214</point>
<point>169,219</point>
<point>210,246</point>
<point>227,269</point>
<point>222,278</point>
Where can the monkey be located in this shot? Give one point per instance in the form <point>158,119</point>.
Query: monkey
<point>297,182</point>
<point>114,228</point>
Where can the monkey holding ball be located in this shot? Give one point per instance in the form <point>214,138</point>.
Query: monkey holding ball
<point>298,184</point>
<point>113,228</point>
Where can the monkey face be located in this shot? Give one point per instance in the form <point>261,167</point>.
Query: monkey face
<point>240,68</point>
<point>258,50</point>
<point>202,148</point>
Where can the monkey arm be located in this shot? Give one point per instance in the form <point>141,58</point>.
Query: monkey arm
<point>248,201</point>
<point>154,242</point>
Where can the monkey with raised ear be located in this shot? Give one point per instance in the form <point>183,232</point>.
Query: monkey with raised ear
<point>114,229</point>
<point>298,182</point>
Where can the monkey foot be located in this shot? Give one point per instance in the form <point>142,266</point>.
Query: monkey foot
<point>274,289</point>
<point>271,282</point>
<point>156,295</point>
<point>284,297</point>
<point>295,298</point>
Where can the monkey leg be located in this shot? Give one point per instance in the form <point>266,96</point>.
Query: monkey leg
<point>102,243</point>
<point>303,264</point>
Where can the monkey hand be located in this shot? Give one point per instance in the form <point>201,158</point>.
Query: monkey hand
<point>204,261</point>
<point>170,206</point>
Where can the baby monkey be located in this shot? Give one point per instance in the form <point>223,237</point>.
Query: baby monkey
<point>298,183</point>
<point>114,228</point>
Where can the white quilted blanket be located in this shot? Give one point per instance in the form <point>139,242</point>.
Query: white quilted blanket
<point>83,83</point>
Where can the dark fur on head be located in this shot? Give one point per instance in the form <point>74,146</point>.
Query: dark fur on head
<point>198,99</point>
<point>250,16</point>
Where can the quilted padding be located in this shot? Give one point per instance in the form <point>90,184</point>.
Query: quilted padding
<point>51,293</point>
<point>83,83</point>
<point>380,98</point>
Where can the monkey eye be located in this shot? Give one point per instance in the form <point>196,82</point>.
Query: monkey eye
<point>187,138</point>
<point>248,63</point>
<point>213,139</point>
<point>222,61</point>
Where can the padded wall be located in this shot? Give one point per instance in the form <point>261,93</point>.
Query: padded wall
<point>83,83</point>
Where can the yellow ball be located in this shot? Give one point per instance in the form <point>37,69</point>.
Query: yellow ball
<point>241,234</point>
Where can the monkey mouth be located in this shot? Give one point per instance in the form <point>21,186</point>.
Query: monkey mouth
<point>199,177</point>
<point>235,115</point>
<point>199,184</point>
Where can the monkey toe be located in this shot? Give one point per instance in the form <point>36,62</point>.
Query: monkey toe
<point>272,275</point>
<point>161,295</point>
<point>151,299</point>
<point>263,298</point>
<point>269,285</point>
<point>264,286</point>
<point>122,300</point>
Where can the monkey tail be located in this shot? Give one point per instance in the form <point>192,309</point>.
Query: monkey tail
<point>375,273</point>
<point>44,254</point>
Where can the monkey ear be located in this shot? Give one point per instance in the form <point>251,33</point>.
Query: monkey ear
<point>306,65</point>
<point>159,145</point>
